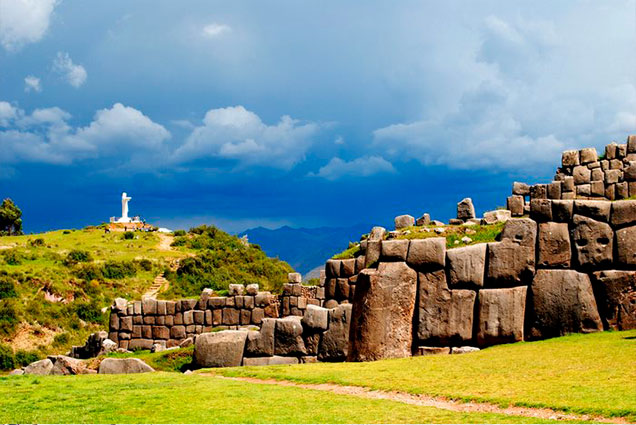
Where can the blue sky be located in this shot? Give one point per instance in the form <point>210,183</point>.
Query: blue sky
<point>300,113</point>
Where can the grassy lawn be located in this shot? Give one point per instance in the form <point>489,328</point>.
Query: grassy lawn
<point>177,398</point>
<point>593,373</point>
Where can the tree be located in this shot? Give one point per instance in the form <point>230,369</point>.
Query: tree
<point>10,218</point>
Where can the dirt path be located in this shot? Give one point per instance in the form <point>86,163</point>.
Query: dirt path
<point>165,241</point>
<point>437,402</point>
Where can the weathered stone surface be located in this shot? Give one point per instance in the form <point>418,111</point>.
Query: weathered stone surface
<point>334,344</point>
<point>509,264</point>
<point>588,155</point>
<point>613,176</point>
<point>465,209</point>
<point>219,349</point>
<point>610,150</point>
<point>562,302</point>
<point>554,190</point>
<point>597,189</point>
<point>395,250</point>
<point>501,315</point>
<point>593,242</point>
<point>316,318</point>
<point>16,372</point>
<point>64,365</point>
<point>148,306</point>
<point>251,289</point>
<point>372,254</point>
<point>583,190</point>
<point>377,233</point>
<point>424,220</point>
<point>554,245</point>
<point>562,211</point>
<point>445,317</point>
<point>567,185</point>
<point>615,292</point>
<point>621,192</point>
<point>122,366</point>
<point>268,361</point>
<point>402,221</point>
<point>236,289</point>
<point>382,324</point>
<point>597,210</point>
<point>466,266</point>
<point>288,337</point>
<point>623,212</point>
<point>261,343</point>
<point>538,191</point>
<point>570,158</point>
<point>626,246</point>
<point>582,175</point>
<point>515,205</point>
<point>495,216</point>
<point>521,189</point>
<point>464,350</point>
<point>541,209</point>
<point>522,231</point>
<point>41,367</point>
<point>597,175</point>
<point>431,351</point>
<point>427,253</point>
<point>629,172</point>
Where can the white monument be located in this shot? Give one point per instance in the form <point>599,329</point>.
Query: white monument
<point>124,211</point>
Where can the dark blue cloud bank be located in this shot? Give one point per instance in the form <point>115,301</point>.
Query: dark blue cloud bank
<point>298,113</point>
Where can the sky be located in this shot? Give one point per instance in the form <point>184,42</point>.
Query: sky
<point>313,113</point>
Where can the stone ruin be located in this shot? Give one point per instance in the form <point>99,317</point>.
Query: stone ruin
<point>565,263</point>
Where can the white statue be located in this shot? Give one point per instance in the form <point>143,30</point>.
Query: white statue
<point>124,208</point>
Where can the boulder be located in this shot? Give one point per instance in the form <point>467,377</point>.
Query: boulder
<point>64,365</point>
<point>395,250</point>
<point>509,264</point>
<point>431,351</point>
<point>597,210</point>
<point>424,220</point>
<point>520,189</point>
<point>562,302</point>
<point>123,366</point>
<point>261,343</point>
<point>427,253</point>
<point>496,216</point>
<point>41,367</point>
<point>466,266</point>
<point>554,245</point>
<point>444,316</point>
<point>120,305</point>
<point>236,289</point>
<point>615,292</point>
<point>588,155</point>
<point>623,212</point>
<point>288,337</point>
<point>501,315</point>
<point>554,190</point>
<point>316,318</point>
<point>377,233</point>
<point>219,349</point>
<point>383,307</point>
<point>570,158</point>
<point>251,289</point>
<point>593,242</point>
<point>402,221</point>
<point>515,205</point>
<point>626,246</point>
<point>465,209</point>
<point>334,344</point>
<point>538,191</point>
<point>16,372</point>
<point>268,361</point>
<point>463,350</point>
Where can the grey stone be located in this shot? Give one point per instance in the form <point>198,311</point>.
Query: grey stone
<point>582,175</point>
<point>219,349</point>
<point>598,210</point>
<point>501,315</point>
<point>294,277</point>
<point>593,242</point>
<point>268,361</point>
<point>562,302</point>
<point>377,233</point>
<point>316,318</point>
<point>40,367</point>
<point>64,365</point>
<point>626,246</point>
<point>402,221</point>
<point>522,231</point>
<point>541,209</point>
<point>554,245</point>
<point>496,216</point>
<point>332,268</point>
<point>597,188</point>
<point>538,191</point>
<point>123,366</point>
<point>613,176</point>
<point>149,306</point>
<point>431,351</point>
<point>15,372</point>
<point>424,220</point>
<point>567,185</point>
<point>252,289</point>
<point>119,304</point>
<point>588,155</point>
<point>521,189</point>
<point>464,350</point>
<point>263,299</point>
<point>562,211</point>
<point>288,338</point>
<point>570,158</point>
<point>465,209</point>
<point>515,205</point>
<point>427,253</point>
<point>466,266</point>
<point>554,190</point>
<point>348,267</point>
<point>334,344</point>
<point>384,303</point>
<point>623,213</point>
<point>610,150</point>
<point>261,343</point>
<point>509,264</point>
<point>395,250</point>
<point>615,292</point>
<point>236,289</point>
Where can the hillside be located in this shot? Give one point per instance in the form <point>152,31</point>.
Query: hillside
<point>304,248</point>
<point>55,287</point>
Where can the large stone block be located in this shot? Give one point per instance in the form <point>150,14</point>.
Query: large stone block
<point>522,231</point>
<point>582,175</point>
<point>623,212</point>
<point>219,349</point>
<point>466,266</point>
<point>444,317</point>
<point>269,361</point>
<point>334,344</point>
<point>521,189</point>
<point>554,190</point>
<point>554,245</point>
<point>332,268</point>
<point>288,337</point>
<point>395,250</point>
<point>123,366</point>
<point>541,209</point>
<point>562,211</point>
<point>382,324</point>
<point>515,204</point>
<point>588,155</point>
<point>261,343</point>
<point>372,254</point>
<point>615,292</point>
<point>149,306</point>
<point>403,221</point>
<point>501,315</point>
<point>348,267</point>
<point>626,246</point>
<point>509,264</point>
<point>629,172</point>
<point>570,158</point>
<point>538,191</point>
<point>316,318</point>
<point>593,242</point>
<point>427,253</point>
<point>597,210</point>
<point>40,367</point>
<point>465,209</point>
<point>562,302</point>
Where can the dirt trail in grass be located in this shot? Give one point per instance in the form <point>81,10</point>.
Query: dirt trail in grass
<point>437,402</point>
<point>165,242</point>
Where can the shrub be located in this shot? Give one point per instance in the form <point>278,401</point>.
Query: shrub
<point>24,358</point>
<point>89,312</point>
<point>89,272</point>
<point>37,242</point>
<point>179,241</point>
<point>66,232</point>
<point>145,264</point>
<point>128,235</point>
<point>61,339</point>
<point>78,256</point>
<point>119,269</point>
<point>13,257</point>
<point>8,317</point>
<point>179,233</point>
<point>7,361</point>
<point>7,287</point>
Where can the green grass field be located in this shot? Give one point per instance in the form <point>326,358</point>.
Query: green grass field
<point>593,373</point>
<point>176,398</point>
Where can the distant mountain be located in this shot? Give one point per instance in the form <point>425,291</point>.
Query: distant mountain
<point>305,249</point>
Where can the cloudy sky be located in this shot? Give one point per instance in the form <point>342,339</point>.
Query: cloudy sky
<point>300,113</point>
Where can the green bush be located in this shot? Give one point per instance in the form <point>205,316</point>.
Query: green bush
<point>37,242</point>
<point>119,269</point>
<point>89,312</point>
<point>145,264</point>
<point>8,317</point>
<point>179,233</point>
<point>179,241</point>
<point>89,272</point>
<point>61,339</point>
<point>7,361</point>
<point>78,256</point>
<point>24,358</point>
<point>128,235</point>
<point>13,257</point>
<point>66,232</point>
<point>7,287</point>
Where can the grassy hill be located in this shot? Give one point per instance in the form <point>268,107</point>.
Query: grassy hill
<point>55,287</point>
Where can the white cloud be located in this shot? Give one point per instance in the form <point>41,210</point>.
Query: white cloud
<point>32,83</point>
<point>8,113</point>
<point>359,167</point>
<point>214,30</point>
<point>24,21</point>
<point>339,140</point>
<point>74,74</point>
<point>238,134</point>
